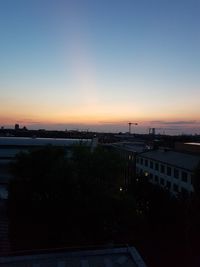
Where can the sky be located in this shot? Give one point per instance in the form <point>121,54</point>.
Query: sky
<point>98,64</point>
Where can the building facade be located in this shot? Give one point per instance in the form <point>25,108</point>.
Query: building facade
<point>169,169</point>
<point>193,148</point>
<point>128,152</point>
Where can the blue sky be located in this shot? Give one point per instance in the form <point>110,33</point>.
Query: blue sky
<point>84,62</point>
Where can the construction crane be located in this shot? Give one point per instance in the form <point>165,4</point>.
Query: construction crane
<point>129,126</point>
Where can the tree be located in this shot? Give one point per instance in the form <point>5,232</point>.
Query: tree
<point>70,193</point>
<point>99,171</point>
<point>42,177</point>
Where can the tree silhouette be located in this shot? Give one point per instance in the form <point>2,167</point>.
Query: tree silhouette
<point>68,191</point>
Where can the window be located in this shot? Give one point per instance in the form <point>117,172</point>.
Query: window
<point>184,176</point>
<point>162,181</point>
<point>151,164</point>
<point>156,178</point>
<point>168,185</point>
<point>146,162</point>
<point>169,171</point>
<point>176,173</point>
<point>141,161</point>
<point>162,168</point>
<point>156,166</point>
<point>184,191</point>
<point>137,160</point>
<point>192,179</point>
<point>175,187</point>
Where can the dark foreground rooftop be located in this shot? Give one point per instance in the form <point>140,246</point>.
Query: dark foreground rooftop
<point>27,141</point>
<point>107,257</point>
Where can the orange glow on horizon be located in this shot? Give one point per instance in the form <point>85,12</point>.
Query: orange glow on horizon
<point>93,119</point>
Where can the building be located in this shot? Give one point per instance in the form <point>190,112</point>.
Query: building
<point>128,151</point>
<point>193,148</point>
<point>106,257</point>
<point>11,146</point>
<point>169,169</point>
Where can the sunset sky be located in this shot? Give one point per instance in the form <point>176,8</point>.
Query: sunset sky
<point>100,63</point>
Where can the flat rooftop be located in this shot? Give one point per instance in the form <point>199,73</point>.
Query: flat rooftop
<point>27,141</point>
<point>110,257</point>
<point>177,159</point>
<point>135,147</point>
<point>192,144</point>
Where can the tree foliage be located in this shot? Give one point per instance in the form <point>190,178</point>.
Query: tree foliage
<point>68,190</point>
<point>41,177</point>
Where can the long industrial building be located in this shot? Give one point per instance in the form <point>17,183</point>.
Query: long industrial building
<point>11,146</point>
<point>171,170</point>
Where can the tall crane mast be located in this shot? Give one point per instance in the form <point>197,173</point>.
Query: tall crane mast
<point>129,126</point>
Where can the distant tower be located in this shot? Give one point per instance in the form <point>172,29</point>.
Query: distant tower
<point>129,126</point>
<point>16,127</point>
<point>152,131</point>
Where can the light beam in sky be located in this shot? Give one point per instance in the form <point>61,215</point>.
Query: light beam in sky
<point>83,62</point>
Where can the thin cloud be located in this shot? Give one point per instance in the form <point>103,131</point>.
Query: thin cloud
<point>29,122</point>
<point>117,122</point>
<point>175,122</point>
